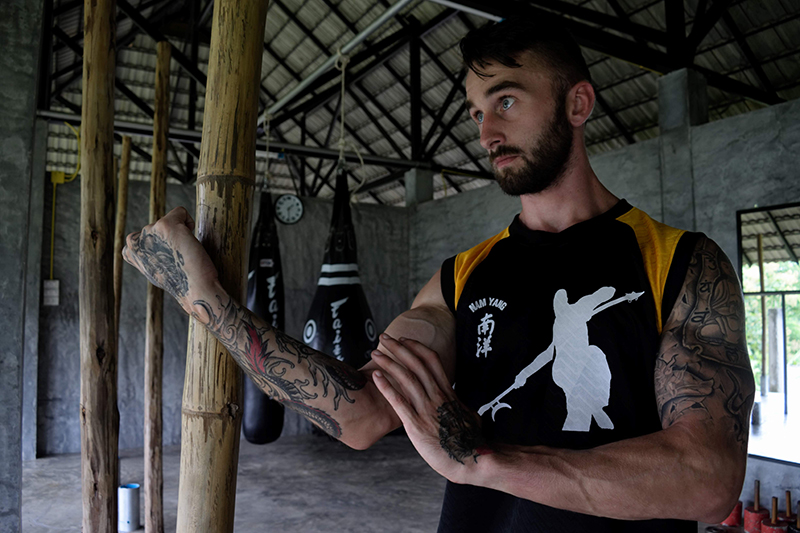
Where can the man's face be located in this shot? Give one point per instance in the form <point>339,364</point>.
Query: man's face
<point>523,125</point>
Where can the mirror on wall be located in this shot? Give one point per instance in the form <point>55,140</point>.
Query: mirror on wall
<point>769,247</point>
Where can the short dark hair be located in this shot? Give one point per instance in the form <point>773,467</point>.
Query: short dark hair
<point>503,43</point>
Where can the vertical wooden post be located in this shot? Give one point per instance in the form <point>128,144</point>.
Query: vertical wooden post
<point>98,351</point>
<point>154,337</point>
<point>119,228</point>
<point>763,385</point>
<point>211,411</point>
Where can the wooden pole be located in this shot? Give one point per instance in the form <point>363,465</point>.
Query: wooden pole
<point>98,352</point>
<point>764,387</point>
<point>212,411</point>
<point>119,228</point>
<point>154,337</point>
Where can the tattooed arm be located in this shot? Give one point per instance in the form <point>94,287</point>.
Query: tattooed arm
<point>692,469</point>
<point>339,399</point>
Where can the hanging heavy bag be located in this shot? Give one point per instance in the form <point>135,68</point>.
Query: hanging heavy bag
<point>340,323</point>
<point>263,418</point>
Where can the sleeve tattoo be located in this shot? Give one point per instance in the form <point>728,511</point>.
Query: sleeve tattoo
<point>702,366</point>
<point>287,370</point>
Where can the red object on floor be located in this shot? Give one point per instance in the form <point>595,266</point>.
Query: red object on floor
<point>735,518</point>
<point>768,526</point>
<point>753,519</point>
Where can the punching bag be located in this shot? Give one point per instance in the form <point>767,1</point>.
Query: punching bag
<point>263,418</point>
<point>340,323</point>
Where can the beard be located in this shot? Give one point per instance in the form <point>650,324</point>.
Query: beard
<point>544,164</point>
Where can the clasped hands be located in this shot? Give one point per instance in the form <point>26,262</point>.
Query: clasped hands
<point>446,433</point>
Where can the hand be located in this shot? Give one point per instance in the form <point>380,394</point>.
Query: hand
<point>172,258</point>
<point>443,430</point>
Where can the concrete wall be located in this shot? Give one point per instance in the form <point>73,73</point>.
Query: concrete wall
<point>20,29</point>
<point>58,430</point>
<point>742,162</point>
<point>382,235</point>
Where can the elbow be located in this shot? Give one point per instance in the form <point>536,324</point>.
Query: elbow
<point>359,442</point>
<point>719,495</point>
<point>363,435</point>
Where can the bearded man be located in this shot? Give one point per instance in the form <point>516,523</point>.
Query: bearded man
<point>641,427</point>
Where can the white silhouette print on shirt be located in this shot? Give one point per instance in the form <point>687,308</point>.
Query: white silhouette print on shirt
<point>580,369</point>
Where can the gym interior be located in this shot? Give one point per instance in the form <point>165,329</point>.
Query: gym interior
<point>358,122</point>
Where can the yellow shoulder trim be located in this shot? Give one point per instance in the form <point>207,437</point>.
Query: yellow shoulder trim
<point>657,243</point>
<point>468,261</point>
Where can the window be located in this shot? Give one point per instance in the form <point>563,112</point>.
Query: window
<point>769,245</point>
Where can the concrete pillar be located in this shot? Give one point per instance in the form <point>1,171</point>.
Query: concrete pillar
<point>20,29</point>
<point>775,353</point>
<point>419,186</point>
<point>682,103</point>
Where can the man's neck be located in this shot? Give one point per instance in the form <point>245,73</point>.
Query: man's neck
<point>577,196</point>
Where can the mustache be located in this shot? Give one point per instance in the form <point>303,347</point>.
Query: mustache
<point>502,151</point>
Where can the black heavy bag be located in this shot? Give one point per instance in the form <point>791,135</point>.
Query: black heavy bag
<point>340,322</point>
<point>263,418</point>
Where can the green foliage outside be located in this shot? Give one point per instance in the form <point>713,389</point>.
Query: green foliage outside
<point>784,276</point>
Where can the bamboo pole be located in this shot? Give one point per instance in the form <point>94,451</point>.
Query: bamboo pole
<point>154,337</point>
<point>98,352</point>
<point>119,228</point>
<point>211,413</point>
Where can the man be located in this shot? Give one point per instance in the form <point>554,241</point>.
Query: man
<point>641,421</point>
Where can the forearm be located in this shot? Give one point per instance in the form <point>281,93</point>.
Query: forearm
<point>337,398</point>
<point>673,473</point>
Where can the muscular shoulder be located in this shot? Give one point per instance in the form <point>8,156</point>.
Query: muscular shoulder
<point>456,271</point>
<point>703,369</point>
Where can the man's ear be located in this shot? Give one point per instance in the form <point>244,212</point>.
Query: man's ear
<point>580,103</point>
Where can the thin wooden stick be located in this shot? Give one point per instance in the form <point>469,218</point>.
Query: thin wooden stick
<point>757,503</point>
<point>212,412</point>
<point>773,516</point>
<point>154,337</point>
<point>119,228</point>
<point>788,504</point>
<point>98,352</point>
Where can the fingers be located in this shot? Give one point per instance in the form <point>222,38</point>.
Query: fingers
<point>418,358</point>
<point>180,215</point>
<point>131,244</point>
<point>395,399</point>
<point>403,380</point>
<point>431,360</point>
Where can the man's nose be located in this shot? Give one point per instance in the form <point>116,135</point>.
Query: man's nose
<point>491,134</point>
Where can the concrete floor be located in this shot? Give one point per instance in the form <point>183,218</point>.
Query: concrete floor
<point>298,484</point>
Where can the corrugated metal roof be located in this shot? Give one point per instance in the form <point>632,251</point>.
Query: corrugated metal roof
<point>780,231</point>
<point>301,34</point>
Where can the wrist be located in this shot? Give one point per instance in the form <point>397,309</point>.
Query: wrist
<point>201,296</point>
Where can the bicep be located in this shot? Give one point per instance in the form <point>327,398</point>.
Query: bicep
<point>702,368</point>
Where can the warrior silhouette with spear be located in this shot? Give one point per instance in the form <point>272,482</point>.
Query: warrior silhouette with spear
<point>580,369</point>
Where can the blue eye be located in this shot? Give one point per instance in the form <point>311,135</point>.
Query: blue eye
<point>479,117</point>
<point>507,102</point>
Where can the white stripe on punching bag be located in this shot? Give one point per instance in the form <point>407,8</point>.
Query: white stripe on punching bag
<point>341,267</point>
<point>325,282</point>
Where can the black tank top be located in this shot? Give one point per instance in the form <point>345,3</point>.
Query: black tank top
<point>574,318</point>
